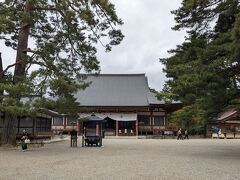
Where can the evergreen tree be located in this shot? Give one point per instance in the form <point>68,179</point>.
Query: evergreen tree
<point>204,71</point>
<point>63,34</point>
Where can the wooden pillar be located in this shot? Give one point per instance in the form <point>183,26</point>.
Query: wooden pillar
<point>101,134</point>
<point>151,121</point>
<point>116,128</point>
<point>165,120</point>
<point>136,127</point>
<point>18,119</point>
<point>234,131</point>
<point>97,129</point>
<point>64,122</point>
<point>78,126</point>
<point>83,134</point>
<point>34,126</point>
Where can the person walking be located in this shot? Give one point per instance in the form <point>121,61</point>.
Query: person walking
<point>179,134</point>
<point>219,132</point>
<point>186,134</point>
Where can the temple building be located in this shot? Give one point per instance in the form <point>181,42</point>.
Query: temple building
<point>126,103</point>
<point>229,123</point>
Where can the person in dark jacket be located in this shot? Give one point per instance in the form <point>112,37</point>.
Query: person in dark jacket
<point>186,134</point>
<point>23,140</point>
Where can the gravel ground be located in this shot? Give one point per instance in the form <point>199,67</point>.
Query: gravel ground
<point>123,159</point>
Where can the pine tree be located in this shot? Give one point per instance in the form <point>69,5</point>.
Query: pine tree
<point>204,71</point>
<point>63,34</point>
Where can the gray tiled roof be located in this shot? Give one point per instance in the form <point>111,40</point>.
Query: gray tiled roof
<point>227,114</point>
<point>117,90</point>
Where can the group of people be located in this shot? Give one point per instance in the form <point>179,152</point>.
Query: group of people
<point>180,135</point>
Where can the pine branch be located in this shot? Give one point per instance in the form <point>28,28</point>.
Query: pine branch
<point>105,14</point>
<point>9,66</point>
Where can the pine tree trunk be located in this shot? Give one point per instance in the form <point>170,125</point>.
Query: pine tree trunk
<point>22,45</point>
<point>9,129</point>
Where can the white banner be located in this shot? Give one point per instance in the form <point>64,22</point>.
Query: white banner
<point>113,116</point>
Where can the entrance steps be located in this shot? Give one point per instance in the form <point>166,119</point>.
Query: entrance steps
<point>121,137</point>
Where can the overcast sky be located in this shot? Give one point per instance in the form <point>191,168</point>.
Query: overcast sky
<point>148,37</point>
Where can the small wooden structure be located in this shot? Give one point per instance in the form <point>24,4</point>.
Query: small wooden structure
<point>229,123</point>
<point>92,130</point>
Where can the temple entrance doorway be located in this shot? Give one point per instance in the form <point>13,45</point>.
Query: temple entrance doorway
<point>126,128</point>
<point>109,127</point>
